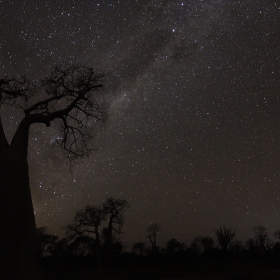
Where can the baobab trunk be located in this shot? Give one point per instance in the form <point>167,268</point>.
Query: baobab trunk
<point>69,98</point>
<point>18,242</point>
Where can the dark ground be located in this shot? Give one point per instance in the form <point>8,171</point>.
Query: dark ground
<point>246,269</point>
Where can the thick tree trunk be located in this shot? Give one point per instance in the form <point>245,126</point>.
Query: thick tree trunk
<point>18,239</point>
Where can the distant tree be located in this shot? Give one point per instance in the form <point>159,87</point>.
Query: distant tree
<point>87,222</point>
<point>173,246</point>
<point>224,236</point>
<point>196,246</point>
<point>47,241</point>
<point>81,246</point>
<point>61,248</point>
<point>148,251</point>
<point>261,238</point>
<point>250,245</point>
<point>152,230</point>
<point>67,95</point>
<point>276,235</point>
<point>117,248</point>
<point>270,244</point>
<point>207,243</point>
<point>276,247</point>
<point>114,209</point>
<point>236,246</point>
<point>139,246</point>
<point>162,251</point>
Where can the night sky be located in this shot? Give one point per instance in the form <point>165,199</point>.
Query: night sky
<point>192,138</point>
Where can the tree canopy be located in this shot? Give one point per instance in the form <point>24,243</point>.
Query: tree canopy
<point>67,94</point>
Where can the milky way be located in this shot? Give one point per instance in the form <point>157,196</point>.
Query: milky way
<point>192,94</point>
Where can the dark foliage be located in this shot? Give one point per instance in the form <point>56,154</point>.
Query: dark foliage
<point>224,236</point>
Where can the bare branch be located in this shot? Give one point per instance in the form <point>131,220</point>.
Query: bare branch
<point>152,230</point>
<point>16,92</point>
<point>86,220</point>
<point>224,236</point>
<point>69,93</point>
<point>114,208</point>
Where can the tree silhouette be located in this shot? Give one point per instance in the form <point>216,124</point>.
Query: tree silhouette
<point>276,234</point>
<point>237,246</point>
<point>114,209</point>
<point>81,246</point>
<point>61,248</point>
<point>87,221</point>
<point>261,238</point>
<point>276,247</point>
<point>47,241</point>
<point>67,94</point>
<point>207,244</point>
<point>152,230</point>
<point>117,248</point>
<point>196,246</point>
<point>173,246</point>
<point>139,246</point>
<point>224,236</point>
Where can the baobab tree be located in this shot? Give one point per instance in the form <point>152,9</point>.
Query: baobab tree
<point>68,94</point>
<point>87,221</point>
<point>114,208</point>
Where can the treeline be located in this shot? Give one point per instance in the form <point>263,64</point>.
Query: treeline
<point>94,234</point>
<point>84,236</point>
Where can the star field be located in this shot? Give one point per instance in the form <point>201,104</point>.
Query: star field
<point>192,94</point>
